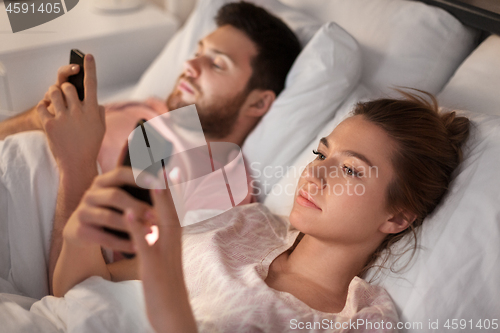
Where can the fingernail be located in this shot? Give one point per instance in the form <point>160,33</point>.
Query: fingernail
<point>74,68</point>
<point>90,57</point>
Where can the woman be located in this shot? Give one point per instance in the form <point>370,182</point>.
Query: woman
<point>246,270</point>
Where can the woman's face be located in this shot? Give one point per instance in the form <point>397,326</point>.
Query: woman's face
<point>341,195</point>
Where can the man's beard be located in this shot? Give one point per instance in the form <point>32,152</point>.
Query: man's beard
<point>217,120</point>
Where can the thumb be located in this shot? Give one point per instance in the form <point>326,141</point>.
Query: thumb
<point>43,112</point>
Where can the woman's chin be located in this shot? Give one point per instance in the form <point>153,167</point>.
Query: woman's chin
<point>298,218</point>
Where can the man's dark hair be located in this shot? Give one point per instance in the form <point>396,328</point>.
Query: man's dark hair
<point>277,45</point>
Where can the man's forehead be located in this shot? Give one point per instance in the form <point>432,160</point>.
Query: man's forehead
<point>231,42</point>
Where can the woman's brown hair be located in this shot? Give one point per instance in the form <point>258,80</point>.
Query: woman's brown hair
<point>428,149</point>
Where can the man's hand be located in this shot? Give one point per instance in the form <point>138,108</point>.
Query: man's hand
<point>74,128</point>
<point>29,120</point>
<point>63,74</point>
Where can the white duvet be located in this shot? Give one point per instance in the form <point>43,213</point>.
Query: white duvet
<point>95,305</point>
<point>28,193</point>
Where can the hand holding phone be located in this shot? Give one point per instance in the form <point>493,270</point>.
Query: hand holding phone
<point>76,57</point>
<point>138,192</point>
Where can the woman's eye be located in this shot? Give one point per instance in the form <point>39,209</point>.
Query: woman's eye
<point>320,156</point>
<point>214,65</point>
<point>350,171</point>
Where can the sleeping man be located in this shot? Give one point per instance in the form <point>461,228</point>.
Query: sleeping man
<point>234,77</point>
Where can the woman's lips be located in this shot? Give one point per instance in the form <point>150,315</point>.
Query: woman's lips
<point>304,199</point>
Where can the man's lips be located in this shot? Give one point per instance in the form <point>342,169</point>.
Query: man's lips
<point>186,87</point>
<point>305,199</point>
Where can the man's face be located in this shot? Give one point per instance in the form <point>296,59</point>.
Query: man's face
<point>215,79</point>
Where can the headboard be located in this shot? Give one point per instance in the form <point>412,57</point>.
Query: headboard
<point>481,14</point>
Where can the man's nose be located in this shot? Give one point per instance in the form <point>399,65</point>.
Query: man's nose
<point>192,67</point>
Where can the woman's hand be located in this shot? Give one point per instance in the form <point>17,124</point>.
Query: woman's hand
<point>160,266</point>
<point>74,128</point>
<point>84,234</point>
<point>101,207</point>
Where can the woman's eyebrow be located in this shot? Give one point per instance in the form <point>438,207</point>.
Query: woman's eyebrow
<point>362,157</point>
<point>358,156</point>
<point>324,141</point>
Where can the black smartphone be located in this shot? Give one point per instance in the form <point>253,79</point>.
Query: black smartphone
<point>138,192</point>
<point>76,57</point>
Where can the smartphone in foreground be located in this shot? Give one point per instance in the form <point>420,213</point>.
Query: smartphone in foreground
<point>138,192</point>
<point>76,57</point>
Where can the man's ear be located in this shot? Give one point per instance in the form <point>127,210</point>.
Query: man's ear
<point>398,222</point>
<point>258,102</point>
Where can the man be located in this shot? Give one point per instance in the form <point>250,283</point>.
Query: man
<point>234,77</point>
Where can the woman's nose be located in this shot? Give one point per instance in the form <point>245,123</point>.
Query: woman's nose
<point>192,67</point>
<point>316,176</point>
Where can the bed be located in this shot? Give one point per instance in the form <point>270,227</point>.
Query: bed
<point>450,50</point>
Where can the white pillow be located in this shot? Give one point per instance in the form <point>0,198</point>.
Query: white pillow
<point>404,43</point>
<point>319,81</point>
<point>476,84</point>
<point>455,275</point>
<point>160,78</point>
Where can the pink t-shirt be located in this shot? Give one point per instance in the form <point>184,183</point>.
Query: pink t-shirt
<point>226,260</point>
<point>121,119</point>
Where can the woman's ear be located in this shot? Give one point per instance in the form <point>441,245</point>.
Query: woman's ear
<point>259,102</point>
<point>398,222</point>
